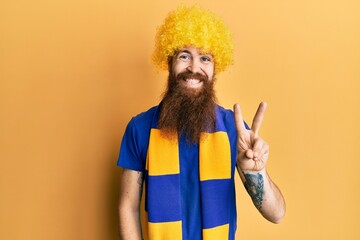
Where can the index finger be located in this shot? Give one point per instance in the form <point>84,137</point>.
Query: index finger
<point>239,121</point>
<point>258,118</point>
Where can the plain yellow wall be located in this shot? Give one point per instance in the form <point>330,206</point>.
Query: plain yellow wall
<point>72,73</point>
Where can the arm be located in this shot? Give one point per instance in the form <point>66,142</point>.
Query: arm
<point>129,202</point>
<point>265,195</point>
<point>253,153</point>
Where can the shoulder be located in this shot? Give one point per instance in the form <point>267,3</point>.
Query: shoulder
<point>138,129</point>
<point>226,115</point>
<point>146,115</point>
<point>135,141</point>
<point>228,118</point>
<point>224,112</point>
<point>144,120</point>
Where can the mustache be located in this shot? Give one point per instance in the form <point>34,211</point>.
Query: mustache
<point>189,75</point>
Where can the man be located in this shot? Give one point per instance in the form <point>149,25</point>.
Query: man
<point>178,159</point>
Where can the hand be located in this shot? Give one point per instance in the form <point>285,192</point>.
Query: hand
<point>253,151</point>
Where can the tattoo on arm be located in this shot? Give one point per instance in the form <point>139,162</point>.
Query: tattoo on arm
<point>254,185</point>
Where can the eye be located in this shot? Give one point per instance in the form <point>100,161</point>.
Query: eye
<point>184,56</point>
<point>206,59</point>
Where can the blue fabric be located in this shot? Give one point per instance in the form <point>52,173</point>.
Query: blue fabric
<point>213,215</point>
<point>165,194</point>
<point>190,190</point>
<point>133,156</point>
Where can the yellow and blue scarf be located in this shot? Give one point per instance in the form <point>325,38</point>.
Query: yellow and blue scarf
<point>161,197</point>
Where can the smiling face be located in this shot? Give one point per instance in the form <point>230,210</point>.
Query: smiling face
<point>192,67</point>
<point>188,105</point>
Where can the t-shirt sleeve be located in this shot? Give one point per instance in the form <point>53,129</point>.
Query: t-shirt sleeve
<point>130,151</point>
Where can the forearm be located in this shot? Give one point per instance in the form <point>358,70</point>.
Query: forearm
<point>129,203</point>
<point>129,224</point>
<point>265,195</point>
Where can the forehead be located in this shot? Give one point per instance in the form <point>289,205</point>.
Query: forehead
<point>192,50</point>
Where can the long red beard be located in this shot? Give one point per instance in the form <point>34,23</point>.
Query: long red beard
<point>187,111</point>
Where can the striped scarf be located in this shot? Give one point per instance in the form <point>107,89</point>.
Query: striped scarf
<point>161,206</point>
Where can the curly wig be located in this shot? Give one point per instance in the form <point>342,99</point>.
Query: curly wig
<point>193,26</point>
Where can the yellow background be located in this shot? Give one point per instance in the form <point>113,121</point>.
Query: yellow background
<point>72,73</point>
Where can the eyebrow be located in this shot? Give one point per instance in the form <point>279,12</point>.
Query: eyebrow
<point>183,51</point>
<point>187,51</point>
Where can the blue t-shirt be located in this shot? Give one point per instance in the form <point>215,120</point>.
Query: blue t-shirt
<point>133,154</point>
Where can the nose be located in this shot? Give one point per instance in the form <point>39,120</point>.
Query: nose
<point>194,66</point>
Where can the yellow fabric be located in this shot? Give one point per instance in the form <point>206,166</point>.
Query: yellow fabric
<point>164,155</point>
<point>216,233</point>
<point>215,156</point>
<point>165,231</point>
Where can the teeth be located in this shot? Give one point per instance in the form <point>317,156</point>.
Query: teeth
<point>193,81</point>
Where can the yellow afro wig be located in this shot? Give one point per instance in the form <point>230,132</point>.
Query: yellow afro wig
<point>193,26</point>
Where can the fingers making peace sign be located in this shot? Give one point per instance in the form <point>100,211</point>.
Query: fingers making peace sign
<point>253,151</point>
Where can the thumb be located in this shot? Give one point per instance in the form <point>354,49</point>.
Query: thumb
<point>249,153</point>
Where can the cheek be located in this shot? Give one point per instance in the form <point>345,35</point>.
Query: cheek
<point>210,72</point>
<point>178,67</point>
